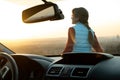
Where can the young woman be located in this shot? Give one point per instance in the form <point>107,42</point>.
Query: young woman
<point>81,38</point>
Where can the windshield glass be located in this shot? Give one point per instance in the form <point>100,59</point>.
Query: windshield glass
<point>50,37</point>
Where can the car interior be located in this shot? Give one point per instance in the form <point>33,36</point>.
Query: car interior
<point>68,66</point>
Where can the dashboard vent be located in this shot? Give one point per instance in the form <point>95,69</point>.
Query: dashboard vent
<point>55,71</point>
<point>80,72</point>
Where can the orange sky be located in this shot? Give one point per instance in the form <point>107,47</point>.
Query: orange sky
<point>104,19</point>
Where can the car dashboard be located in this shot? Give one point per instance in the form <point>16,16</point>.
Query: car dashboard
<point>85,66</point>
<point>69,66</point>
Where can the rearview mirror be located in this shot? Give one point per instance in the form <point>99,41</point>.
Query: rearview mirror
<point>47,11</point>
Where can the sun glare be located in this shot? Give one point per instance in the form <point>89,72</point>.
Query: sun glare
<point>13,28</point>
<point>102,18</point>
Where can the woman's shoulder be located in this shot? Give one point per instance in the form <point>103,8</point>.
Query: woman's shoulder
<point>71,29</point>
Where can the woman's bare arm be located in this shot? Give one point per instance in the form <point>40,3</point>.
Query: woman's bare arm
<point>70,41</point>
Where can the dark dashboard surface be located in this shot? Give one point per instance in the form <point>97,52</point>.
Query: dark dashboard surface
<point>70,66</point>
<point>85,66</point>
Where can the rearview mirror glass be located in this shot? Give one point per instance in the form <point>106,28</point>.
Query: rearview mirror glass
<point>47,11</point>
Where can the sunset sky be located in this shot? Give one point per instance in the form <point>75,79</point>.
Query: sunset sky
<point>104,19</point>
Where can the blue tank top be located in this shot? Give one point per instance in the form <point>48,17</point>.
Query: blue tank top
<point>81,39</point>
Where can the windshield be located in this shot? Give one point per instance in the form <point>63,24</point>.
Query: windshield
<point>50,37</point>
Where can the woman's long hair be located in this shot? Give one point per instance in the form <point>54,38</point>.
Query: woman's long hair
<point>82,14</point>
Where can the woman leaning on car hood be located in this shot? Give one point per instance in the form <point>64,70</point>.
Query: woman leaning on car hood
<point>81,38</point>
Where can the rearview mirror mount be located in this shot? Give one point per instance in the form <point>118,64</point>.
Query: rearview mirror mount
<point>44,12</point>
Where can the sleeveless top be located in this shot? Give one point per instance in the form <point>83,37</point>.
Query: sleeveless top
<point>81,43</point>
